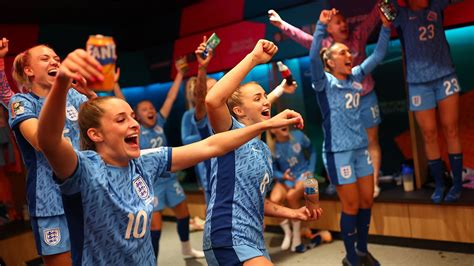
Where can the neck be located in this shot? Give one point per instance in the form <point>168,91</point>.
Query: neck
<point>339,75</point>
<point>39,90</point>
<point>248,122</point>
<point>106,155</point>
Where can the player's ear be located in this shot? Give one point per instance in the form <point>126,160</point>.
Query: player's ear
<point>95,135</point>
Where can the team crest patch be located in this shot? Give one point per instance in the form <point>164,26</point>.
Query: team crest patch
<point>141,188</point>
<point>432,16</point>
<point>52,237</point>
<point>71,113</point>
<point>416,100</point>
<point>18,108</point>
<point>296,148</point>
<point>158,129</point>
<point>346,171</point>
<point>357,85</point>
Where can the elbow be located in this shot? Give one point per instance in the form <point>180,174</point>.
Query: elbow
<point>213,103</point>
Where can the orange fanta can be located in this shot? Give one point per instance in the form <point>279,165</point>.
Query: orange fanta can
<point>102,48</point>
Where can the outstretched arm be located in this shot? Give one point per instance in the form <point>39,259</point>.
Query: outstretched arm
<point>291,31</point>
<point>216,100</point>
<point>6,92</point>
<point>172,94</point>
<point>60,153</point>
<point>222,143</point>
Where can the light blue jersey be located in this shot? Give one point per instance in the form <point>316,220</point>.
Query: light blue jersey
<point>339,100</point>
<point>422,35</point>
<point>190,134</point>
<point>153,137</point>
<point>205,130</point>
<point>115,206</point>
<point>239,183</point>
<point>297,154</point>
<point>44,197</point>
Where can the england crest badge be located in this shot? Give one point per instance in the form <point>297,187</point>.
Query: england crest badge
<point>141,188</point>
<point>52,236</point>
<point>346,171</point>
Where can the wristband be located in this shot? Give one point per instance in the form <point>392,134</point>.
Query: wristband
<point>278,91</point>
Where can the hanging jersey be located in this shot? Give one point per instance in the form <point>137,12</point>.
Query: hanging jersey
<point>115,206</point>
<point>426,49</point>
<point>44,197</point>
<point>238,184</point>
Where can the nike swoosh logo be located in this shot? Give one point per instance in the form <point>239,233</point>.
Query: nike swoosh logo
<point>353,233</point>
<point>257,150</point>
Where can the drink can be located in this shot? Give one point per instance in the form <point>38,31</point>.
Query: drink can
<point>102,48</point>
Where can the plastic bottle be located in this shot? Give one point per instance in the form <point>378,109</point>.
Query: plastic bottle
<point>311,193</point>
<point>388,10</point>
<point>407,177</point>
<point>285,72</point>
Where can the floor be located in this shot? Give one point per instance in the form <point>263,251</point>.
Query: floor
<point>326,254</point>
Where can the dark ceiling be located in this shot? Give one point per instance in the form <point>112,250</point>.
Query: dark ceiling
<point>137,23</point>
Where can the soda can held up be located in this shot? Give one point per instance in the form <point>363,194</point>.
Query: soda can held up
<point>102,48</point>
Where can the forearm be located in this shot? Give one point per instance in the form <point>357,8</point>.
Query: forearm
<point>6,92</point>
<point>118,92</point>
<point>379,52</point>
<point>52,116</point>
<point>214,146</point>
<point>226,86</point>
<point>200,92</point>
<point>274,210</point>
<point>317,68</point>
<point>275,94</point>
<point>297,34</point>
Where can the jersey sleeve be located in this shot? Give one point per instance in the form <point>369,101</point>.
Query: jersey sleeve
<point>188,135</point>
<point>85,166</point>
<point>156,161</point>
<point>369,64</point>
<point>160,119</point>
<point>297,34</point>
<point>318,75</point>
<point>20,109</point>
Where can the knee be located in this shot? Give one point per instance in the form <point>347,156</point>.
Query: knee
<point>451,132</point>
<point>430,134</point>
<point>366,202</point>
<point>351,207</point>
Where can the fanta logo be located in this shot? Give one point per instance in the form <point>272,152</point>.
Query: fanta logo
<point>52,237</point>
<point>104,54</point>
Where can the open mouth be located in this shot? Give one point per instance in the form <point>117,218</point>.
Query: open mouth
<point>284,129</point>
<point>52,72</point>
<point>266,113</point>
<point>348,64</point>
<point>132,139</point>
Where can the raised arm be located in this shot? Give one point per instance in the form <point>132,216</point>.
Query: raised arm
<point>216,99</point>
<point>60,153</point>
<point>6,92</point>
<point>172,94</point>
<point>222,143</point>
<point>200,90</point>
<point>317,68</point>
<point>291,31</point>
<point>380,50</point>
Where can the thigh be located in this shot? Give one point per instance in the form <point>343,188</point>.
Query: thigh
<point>51,234</point>
<point>369,112</point>
<point>422,96</point>
<point>340,167</point>
<point>181,210</point>
<point>449,111</point>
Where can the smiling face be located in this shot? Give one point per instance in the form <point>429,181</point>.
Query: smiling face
<point>252,106</point>
<point>338,28</point>
<point>146,113</point>
<point>339,60</point>
<point>42,66</point>
<point>281,134</point>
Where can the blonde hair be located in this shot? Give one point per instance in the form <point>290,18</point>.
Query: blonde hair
<point>235,99</point>
<point>190,85</point>
<point>90,114</point>
<point>21,61</point>
<point>326,54</point>
<point>271,140</point>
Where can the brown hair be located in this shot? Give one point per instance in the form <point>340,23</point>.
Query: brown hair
<point>234,100</point>
<point>90,114</point>
<point>21,61</point>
